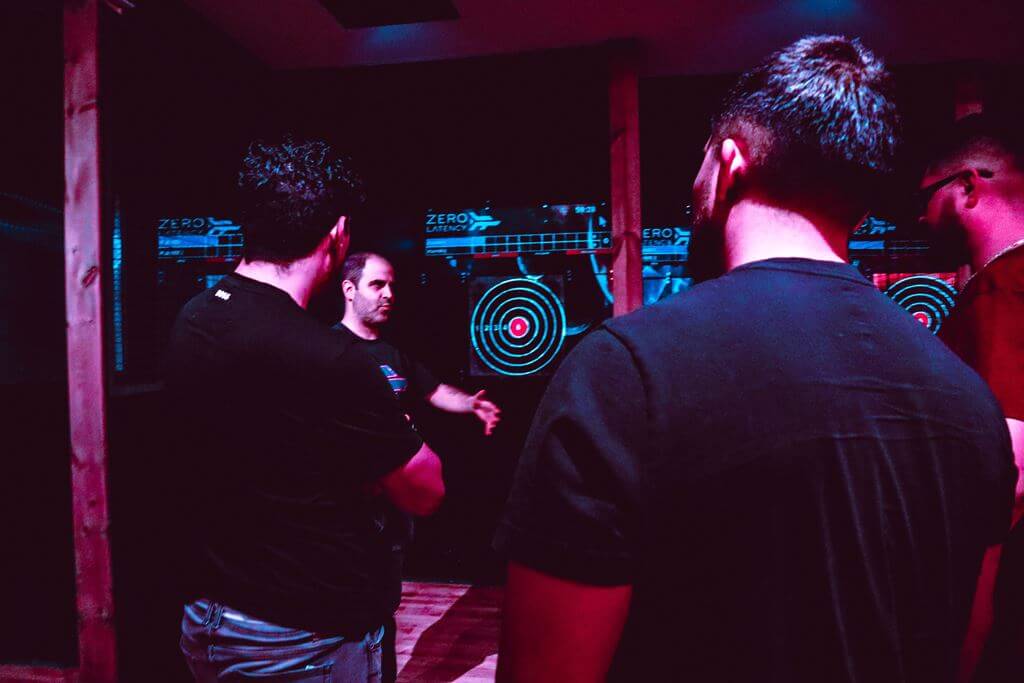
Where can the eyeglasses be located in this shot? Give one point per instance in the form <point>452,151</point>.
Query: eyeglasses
<point>925,194</point>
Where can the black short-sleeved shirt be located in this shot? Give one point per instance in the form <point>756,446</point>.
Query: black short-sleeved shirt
<point>795,476</point>
<point>282,425</point>
<point>412,383</point>
<point>986,329</point>
<point>410,380</point>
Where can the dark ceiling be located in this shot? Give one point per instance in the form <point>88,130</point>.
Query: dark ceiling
<point>677,36</point>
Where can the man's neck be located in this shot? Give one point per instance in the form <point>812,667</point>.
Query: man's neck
<point>297,279</point>
<point>987,243</point>
<point>358,327</point>
<point>756,231</point>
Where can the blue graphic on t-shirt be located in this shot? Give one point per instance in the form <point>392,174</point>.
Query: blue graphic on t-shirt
<point>398,383</point>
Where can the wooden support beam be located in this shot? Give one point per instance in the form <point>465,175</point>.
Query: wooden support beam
<point>35,674</point>
<point>84,278</point>
<point>624,128</point>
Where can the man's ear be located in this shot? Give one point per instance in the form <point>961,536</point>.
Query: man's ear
<point>347,288</point>
<point>968,184</point>
<point>340,229</point>
<point>732,166</point>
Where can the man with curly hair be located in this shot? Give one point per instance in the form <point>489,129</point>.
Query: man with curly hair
<point>777,475</point>
<point>293,441</point>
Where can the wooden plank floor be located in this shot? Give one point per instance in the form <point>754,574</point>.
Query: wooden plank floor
<point>447,632</point>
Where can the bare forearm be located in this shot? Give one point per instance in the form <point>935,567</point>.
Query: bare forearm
<point>450,399</point>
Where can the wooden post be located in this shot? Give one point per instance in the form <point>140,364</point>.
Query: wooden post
<point>83,277</point>
<point>624,120</point>
<point>35,674</point>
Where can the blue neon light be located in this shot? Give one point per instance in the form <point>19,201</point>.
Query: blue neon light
<point>117,289</point>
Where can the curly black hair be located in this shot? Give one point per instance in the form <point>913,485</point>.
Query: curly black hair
<point>292,193</point>
<point>820,122</point>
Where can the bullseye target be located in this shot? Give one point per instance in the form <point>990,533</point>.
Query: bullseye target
<point>929,299</point>
<point>517,325</point>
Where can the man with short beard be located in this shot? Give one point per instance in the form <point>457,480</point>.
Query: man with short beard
<point>368,285</point>
<point>778,475</point>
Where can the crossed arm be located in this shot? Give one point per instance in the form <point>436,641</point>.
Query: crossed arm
<point>416,487</point>
<point>1016,428</point>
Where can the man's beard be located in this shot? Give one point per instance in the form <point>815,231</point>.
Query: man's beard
<point>372,316</point>
<point>706,259</point>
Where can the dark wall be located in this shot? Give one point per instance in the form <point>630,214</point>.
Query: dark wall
<point>31,194</point>
<point>181,104</point>
<point>176,113</point>
<point>37,567</point>
<point>513,131</point>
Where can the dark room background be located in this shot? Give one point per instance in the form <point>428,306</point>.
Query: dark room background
<point>183,102</point>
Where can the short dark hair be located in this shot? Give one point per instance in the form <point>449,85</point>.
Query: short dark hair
<point>352,269</point>
<point>292,193</point>
<point>819,123</point>
<point>986,133</point>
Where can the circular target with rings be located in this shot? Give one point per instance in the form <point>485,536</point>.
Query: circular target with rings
<point>929,299</point>
<point>517,327</point>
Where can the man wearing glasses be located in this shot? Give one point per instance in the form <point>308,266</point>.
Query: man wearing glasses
<point>972,198</point>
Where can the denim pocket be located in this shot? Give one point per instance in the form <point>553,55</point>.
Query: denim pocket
<point>309,652</point>
<point>311,674</point>
<point>374,650</point>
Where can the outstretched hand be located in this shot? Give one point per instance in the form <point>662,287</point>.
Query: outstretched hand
<point>488,413</point>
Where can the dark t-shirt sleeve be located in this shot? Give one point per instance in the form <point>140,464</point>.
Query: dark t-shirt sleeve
<point>424,382</point>
<point>997,328</point>
<point>366,421</point>
<point>571,512</point>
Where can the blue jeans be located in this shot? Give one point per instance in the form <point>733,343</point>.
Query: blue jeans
<point>223,644</point>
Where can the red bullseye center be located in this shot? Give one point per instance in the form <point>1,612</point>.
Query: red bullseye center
<point>923,317</point>
<point>518,327</point>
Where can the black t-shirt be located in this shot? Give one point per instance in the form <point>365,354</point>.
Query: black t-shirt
<point>410,380</point>
<point>797,479</point>
<point>282,426</point>
<point>412,383</point>
<point>986,329</point>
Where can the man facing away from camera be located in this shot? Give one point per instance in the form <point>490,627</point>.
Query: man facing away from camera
<point>290,436</point>
<point>778,475</point>
<point>972,198</point>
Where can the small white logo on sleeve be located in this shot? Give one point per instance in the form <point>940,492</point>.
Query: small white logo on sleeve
<point>221,294</point>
